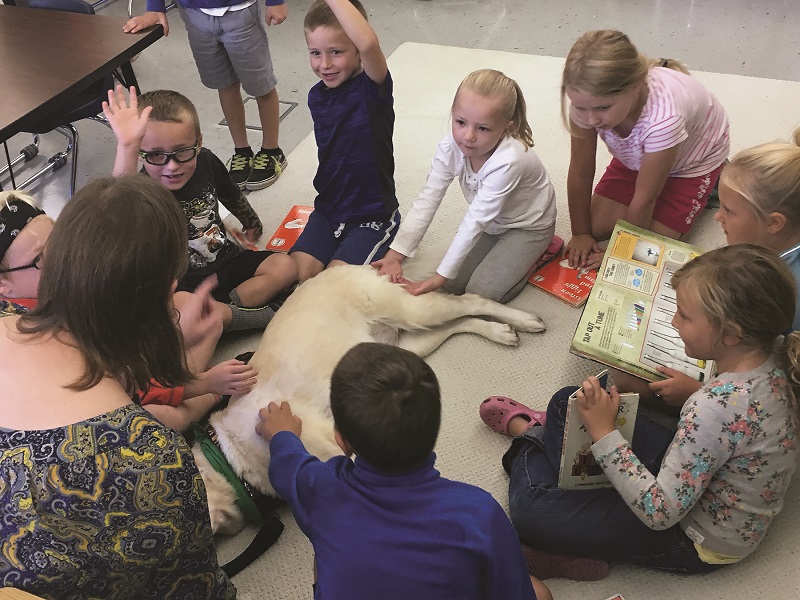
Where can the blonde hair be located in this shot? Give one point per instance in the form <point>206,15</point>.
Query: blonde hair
<point>494,84</point>
<point>748,290</point>
<point>768,177</point>
<point>606,63</point>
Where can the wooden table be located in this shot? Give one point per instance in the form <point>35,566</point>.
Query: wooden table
<point>49,57</point>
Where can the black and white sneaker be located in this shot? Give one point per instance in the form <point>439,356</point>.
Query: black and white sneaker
<point>240,167</point>
<point>266,170</point>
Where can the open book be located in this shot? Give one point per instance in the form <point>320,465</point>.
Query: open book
<point>627,320</point>
<point>578,467</point>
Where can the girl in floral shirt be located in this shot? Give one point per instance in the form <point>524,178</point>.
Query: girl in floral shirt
<point>687,501</point>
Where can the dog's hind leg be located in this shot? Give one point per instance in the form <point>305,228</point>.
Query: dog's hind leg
<point>430,310</point>
<point>424,342</point>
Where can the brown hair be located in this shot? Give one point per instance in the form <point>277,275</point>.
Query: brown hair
<point>768,177</point>
<point>750,287</point>
<point>386,403</point>
<point>606,63</point>
<point>170,107</point>
<point>494,84</point>
<point>321,15</point>
<point>107,277</point>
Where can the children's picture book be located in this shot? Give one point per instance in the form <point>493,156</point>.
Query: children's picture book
<point>627,320</point>
<point>578,467</point>
<point>569,285</point>
<point>290,229</point>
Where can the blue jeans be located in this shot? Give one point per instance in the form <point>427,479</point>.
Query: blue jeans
<point>595,523</point>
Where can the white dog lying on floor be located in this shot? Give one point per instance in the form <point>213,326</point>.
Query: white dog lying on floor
<point>317,325</point>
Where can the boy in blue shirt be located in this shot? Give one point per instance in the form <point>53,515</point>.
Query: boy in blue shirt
<point>387,525</point>
<point>355,214</point>
<point>230,47</point>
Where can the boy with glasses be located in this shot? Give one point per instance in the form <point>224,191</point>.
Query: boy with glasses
<point>162,129</point>
<point>229,43</point>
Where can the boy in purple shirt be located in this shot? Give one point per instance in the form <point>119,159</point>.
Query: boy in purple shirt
<point>355,213</point>
<point>388,525</point>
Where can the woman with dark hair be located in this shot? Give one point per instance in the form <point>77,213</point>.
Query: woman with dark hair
<point>99,498</point>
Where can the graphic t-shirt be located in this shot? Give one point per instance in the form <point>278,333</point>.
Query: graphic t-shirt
<point>209,246</point>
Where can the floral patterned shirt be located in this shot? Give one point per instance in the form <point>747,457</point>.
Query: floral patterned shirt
<point>726,472</point>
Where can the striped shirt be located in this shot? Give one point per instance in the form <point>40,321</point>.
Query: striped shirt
<point>678,109</point>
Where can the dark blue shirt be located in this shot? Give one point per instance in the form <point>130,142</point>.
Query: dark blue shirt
<point>353,126</point>
<point>408,536</point>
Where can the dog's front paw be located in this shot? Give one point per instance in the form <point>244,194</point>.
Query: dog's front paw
<point>502,334</point>
<point>530,323</point>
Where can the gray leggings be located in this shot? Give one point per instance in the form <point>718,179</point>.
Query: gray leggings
<point>499,265</point>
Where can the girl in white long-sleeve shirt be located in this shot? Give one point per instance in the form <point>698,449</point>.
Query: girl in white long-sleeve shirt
<point>511,215</point>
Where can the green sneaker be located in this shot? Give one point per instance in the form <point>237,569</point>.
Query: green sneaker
<point>240,166</point>
<point>266,170</point>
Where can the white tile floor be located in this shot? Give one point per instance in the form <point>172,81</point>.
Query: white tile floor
<point>731,36</point>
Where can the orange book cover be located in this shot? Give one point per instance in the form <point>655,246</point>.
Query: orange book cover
<point>291,228</point>
<point>569,285</point>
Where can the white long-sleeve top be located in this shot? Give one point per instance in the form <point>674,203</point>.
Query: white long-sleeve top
<point>511,191</point>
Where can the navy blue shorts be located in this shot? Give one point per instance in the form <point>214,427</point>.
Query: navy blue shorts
<point>356,243</point>
<point>235,272</point>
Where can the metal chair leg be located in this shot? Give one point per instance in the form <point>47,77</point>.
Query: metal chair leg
<point>74,174</point>
<point>59,159</point>
<point>27,153</point>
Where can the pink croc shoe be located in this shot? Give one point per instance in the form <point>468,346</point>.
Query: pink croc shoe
<point>553,250</point>
<point>497,411</point>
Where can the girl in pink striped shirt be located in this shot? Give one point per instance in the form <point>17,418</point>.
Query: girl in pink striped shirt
<point>667,134</point>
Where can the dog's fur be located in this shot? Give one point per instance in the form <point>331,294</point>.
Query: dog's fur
<point>317,325</point>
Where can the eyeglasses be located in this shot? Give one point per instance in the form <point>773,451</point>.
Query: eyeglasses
<point>36,264</point>
<point>181,155</point>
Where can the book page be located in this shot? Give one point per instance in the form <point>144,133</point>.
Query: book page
<point>578,466</point>
<point>626,322</point>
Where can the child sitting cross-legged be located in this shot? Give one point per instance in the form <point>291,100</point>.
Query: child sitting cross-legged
<point>387,525</point>
<point>162,130</point>
<point>686,501</point>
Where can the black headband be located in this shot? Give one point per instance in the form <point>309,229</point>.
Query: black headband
<point>14,215</point>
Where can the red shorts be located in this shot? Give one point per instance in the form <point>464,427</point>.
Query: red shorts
<point>679,202</point>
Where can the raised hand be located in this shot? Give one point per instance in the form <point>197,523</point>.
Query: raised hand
<point>123,115</point>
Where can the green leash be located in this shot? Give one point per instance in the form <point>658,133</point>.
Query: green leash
<point>221,465</point>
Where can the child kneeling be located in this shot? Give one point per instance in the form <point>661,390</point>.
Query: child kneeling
<point>387,525</point>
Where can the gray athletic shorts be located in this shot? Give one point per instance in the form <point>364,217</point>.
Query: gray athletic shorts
<point>231,48</point>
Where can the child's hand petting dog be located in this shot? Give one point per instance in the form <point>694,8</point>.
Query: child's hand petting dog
<point>274,419</point>
<point>232,377</point>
